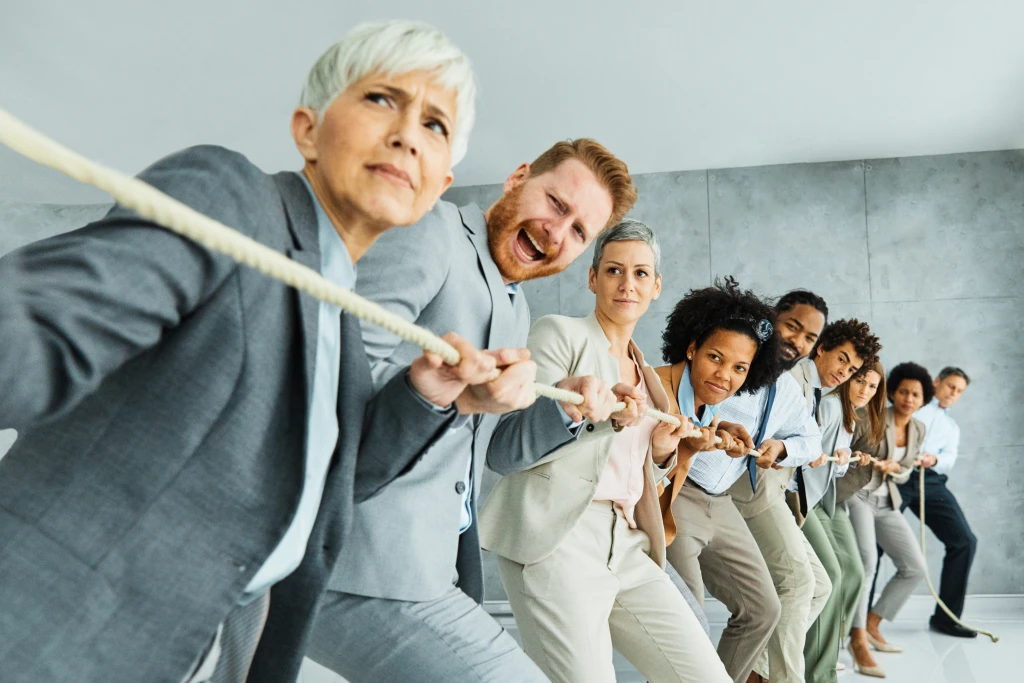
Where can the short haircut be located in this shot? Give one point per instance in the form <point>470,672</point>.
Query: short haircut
<point>790,300</point>
<point>611,171</point>
<point>911,371</point>
<point>395,47</point>
<point>865,344</point>
<point>952,371</point>
<point>724,306</point>
<point>628,230</point>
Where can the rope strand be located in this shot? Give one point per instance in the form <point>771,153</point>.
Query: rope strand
<point>182,219</point>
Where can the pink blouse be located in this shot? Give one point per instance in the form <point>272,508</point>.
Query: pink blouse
<point>622,481</point>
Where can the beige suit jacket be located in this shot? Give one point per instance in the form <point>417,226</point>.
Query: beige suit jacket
<point>528,513</point>
<point>858,477</point>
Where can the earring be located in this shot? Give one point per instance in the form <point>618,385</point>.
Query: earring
<point>689,357</point>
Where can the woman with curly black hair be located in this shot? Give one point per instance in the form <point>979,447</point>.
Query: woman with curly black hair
<point>873,500</point>
<point>720,342</point>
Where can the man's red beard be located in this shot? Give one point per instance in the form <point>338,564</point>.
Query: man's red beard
<point>503,232</point>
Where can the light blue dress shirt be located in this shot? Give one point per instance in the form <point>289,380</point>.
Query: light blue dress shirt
<point>686,402</point>
<point>941,436</point>
<point>322,425</point>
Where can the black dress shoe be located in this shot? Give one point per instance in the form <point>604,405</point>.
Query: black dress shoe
<point>951,629</point>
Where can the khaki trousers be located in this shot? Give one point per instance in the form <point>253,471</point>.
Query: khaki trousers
<point>801,584</point>
<point>714,548</point>
<point>600,590</point>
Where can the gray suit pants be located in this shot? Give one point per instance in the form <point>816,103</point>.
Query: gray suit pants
<point>877,524</point>
<point>447,639</point>
<point>229,655</point>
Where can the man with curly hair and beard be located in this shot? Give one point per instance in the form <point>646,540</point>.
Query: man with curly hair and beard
<point>714,547</point>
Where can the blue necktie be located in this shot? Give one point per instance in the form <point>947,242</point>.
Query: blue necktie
<point>751,460</point>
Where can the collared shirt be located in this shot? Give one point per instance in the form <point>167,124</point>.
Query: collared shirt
<point>789,422</point>
<point>466,514</point>
<point>322,421</point>
<point>687,402</point>
<point>622,481</point>
<point>941,437</point>
<point>816,379</point>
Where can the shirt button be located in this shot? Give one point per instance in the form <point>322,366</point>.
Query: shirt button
<point>460,487</point>
<point>590,428</point>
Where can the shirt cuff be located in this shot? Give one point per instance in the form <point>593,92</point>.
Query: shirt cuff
<point>433,406</point>
<point>570,425</point>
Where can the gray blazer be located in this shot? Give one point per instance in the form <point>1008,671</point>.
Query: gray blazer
<point>859,477</point>
<point>159,392</point>
<point>439,274</point>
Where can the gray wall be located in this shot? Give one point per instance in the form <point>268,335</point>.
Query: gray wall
<point>928,250</point>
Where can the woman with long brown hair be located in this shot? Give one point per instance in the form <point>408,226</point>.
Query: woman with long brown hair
<point>873,503</point>
<point>827,526</point>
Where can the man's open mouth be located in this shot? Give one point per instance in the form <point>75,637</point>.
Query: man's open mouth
<point>528,247</point>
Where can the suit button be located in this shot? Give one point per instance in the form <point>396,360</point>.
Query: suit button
<point>590,428</point>
<point>460,487</point>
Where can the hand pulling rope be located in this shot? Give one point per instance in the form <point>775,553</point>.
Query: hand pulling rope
<point>150,203</point>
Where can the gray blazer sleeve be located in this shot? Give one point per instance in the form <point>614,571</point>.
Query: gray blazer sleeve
<point>407,425</point>
<point>78,306</point>
<point>524,437</point>
<point>423,252</point>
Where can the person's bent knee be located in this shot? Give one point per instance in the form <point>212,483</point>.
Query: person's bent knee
<point>771,613</point>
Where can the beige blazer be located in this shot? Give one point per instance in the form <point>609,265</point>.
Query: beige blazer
<point>858,477</point>
<point>528,513</point>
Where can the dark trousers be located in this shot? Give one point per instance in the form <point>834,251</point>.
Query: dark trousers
<point>942,514</point>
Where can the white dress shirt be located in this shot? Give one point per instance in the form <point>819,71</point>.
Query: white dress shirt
<point>941,437</point>
<point>322,421</point>
<point>790,422</point>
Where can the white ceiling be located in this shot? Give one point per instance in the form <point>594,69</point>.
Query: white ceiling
<point>666,84</point>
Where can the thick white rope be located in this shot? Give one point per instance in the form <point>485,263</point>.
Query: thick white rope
<point>150,203</point>
<point>924,553</point>
<point>927,576</point>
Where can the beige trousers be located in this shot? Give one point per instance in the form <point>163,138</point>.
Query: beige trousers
<point>800,582</point>
<point>714,548</point>
<point>600,590</point>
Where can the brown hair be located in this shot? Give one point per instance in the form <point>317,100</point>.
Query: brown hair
<point>875,409</point>
<point>865,344</point>
<point>611,171</point>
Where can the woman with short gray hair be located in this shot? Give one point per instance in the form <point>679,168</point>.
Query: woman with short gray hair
<point>579,536</point>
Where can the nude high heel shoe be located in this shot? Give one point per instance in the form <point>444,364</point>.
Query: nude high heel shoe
<point>875,671</point>
<point>882,647</point>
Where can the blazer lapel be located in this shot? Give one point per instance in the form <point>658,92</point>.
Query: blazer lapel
<point>890,435</point>
<point>655,391</point>
<point>301,215</point>
<point>503,317</point>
